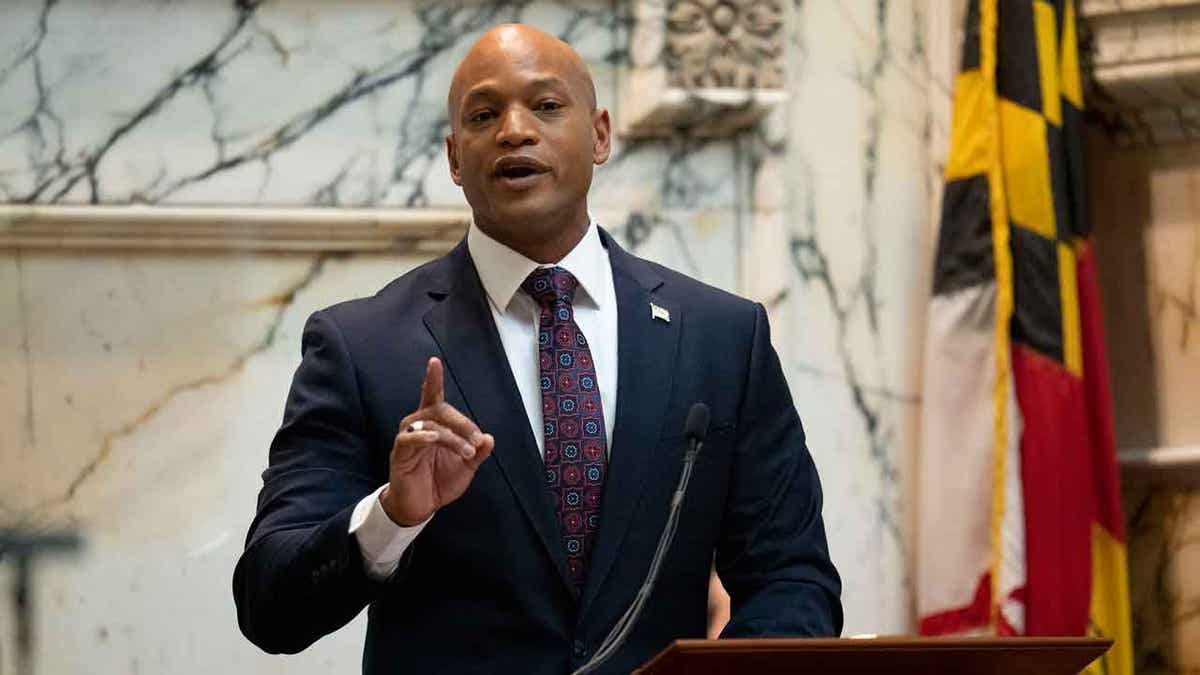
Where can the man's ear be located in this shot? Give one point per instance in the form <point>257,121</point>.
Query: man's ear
<point>601,136</point>
<point>452,157</point>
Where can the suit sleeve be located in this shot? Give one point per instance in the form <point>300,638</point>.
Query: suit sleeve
<point>301,574</point>
<point>772,555</point>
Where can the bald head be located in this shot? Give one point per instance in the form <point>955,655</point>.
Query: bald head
<point>518,44</point>
<point>525,134</point>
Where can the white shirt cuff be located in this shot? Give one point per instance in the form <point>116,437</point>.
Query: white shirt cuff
<point>380,539</point>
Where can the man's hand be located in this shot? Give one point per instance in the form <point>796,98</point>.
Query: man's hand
<point>433,466</point>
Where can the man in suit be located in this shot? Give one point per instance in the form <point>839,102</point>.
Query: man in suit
<point>484,452</point>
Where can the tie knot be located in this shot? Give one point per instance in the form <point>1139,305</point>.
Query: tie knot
<point>547,285</point>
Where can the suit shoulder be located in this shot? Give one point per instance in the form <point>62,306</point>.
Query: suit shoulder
<point>697,296</point>
<point>404,296</point>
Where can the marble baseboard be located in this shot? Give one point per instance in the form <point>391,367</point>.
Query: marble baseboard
<point>1163,539</point>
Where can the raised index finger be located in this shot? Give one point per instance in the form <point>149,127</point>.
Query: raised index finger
<point>432,389</point>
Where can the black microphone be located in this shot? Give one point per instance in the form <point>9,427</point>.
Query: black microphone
<point>696,426</point>
<point>695,429</point>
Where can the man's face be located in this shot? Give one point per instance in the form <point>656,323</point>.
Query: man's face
<point>525,137</point>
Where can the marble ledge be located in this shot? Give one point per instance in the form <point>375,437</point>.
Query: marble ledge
<point>1177,466</point>
<point>1093,8</point>
<point>703,112</point>
<point>1144,68</point>
<point>231,229</point>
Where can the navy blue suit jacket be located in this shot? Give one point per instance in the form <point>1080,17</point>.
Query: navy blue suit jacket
<point>484,587</point>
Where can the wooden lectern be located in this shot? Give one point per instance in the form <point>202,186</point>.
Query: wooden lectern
<point>895,656</point>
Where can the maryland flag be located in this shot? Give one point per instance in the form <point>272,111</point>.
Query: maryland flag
<point>1020,529</point>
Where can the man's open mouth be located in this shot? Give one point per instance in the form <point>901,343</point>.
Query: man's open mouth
<point>519,170</point>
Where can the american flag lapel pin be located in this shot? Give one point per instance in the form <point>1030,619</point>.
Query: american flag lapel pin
<point>659,313</point>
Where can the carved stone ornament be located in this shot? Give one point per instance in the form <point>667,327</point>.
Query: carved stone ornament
<point>707,67</point>
<point>725,43</point>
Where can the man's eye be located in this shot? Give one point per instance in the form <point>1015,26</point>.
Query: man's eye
<point>549,106</point>
<point>481,116</point>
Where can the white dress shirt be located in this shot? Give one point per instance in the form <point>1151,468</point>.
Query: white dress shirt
<point>501,271</point>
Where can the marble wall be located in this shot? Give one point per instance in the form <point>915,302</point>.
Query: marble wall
<point>870,87</point>
<point>1148,250</point>
<point>139,390</point>
<point>1148,247</point>
<point>1163,526</point>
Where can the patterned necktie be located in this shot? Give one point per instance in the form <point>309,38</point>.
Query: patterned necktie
<point>572,417</point>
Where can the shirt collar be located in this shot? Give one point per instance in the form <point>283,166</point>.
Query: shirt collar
<point>502,270</point>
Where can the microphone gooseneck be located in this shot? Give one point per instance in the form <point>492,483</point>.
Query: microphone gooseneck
<point>695,429</point>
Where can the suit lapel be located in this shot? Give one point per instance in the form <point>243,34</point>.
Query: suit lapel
<point>474,357</point>
<point>646,349</point>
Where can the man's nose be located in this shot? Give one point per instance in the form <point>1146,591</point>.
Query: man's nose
<point>517,128</point>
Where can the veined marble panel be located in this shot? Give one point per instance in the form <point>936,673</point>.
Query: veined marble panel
<point>1147,242</point>
<point>1148,255</point>
<point>868,100</point>
<point>138,396</point>
<point>295,102</point>
<point>298,102</point>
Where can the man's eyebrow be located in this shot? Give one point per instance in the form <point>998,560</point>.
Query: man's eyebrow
<point>490,91</point>
<point>479,91</point>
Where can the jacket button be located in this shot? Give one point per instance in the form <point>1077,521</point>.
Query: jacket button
<point>579,650</point>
